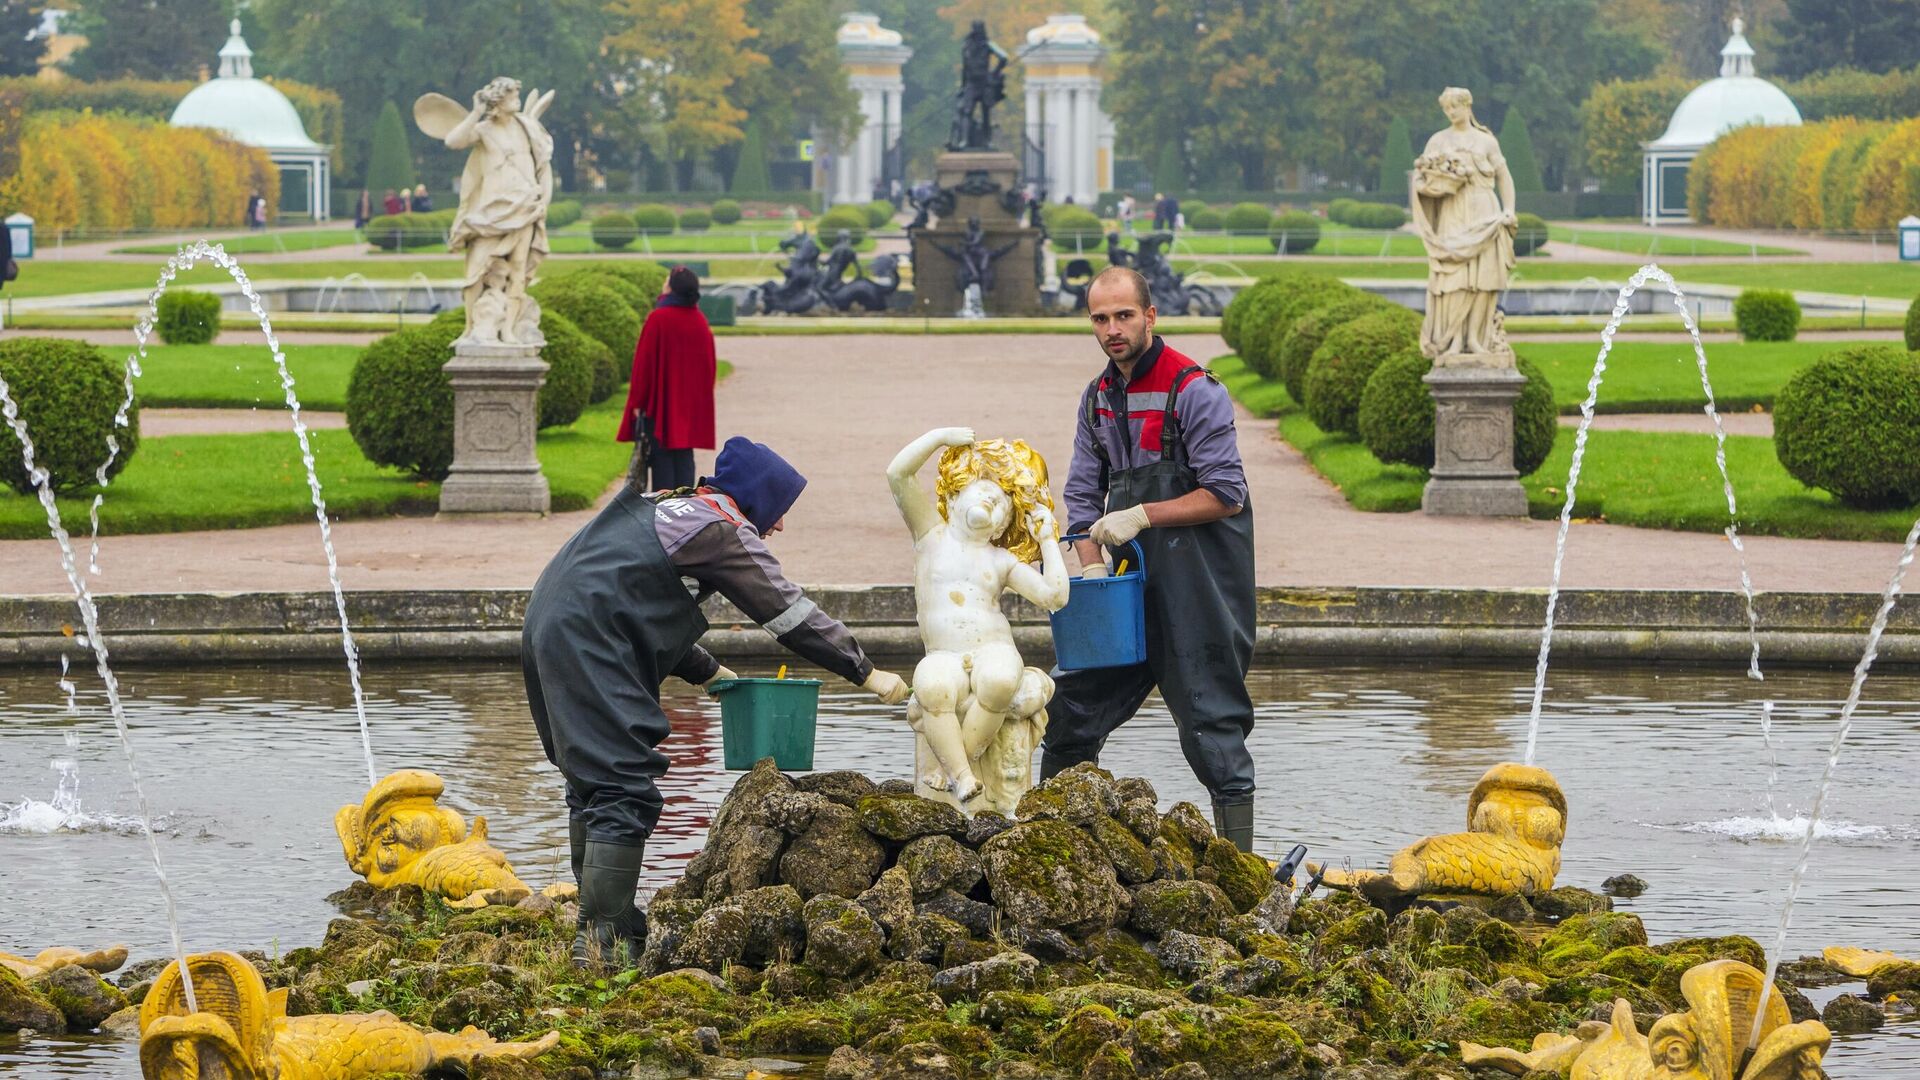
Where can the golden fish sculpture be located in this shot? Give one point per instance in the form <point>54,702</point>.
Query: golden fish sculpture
<point>1516,819</point>
<point>99,961</point>
<point>1710,1041</point>
<point>401,835</point>
<point>243,1032</point>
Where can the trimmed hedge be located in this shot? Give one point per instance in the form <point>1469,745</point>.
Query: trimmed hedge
<point>614,230</point>
<point>653,219</point>
<point>563,213</point>
<point>725,211</point>
<point>1849,424</point>
<point>1072,225</point>
<point>67,393</point>
<point>1766,315</point>
<point>1308,332</point>
<point>597,309</point>
<point>395,232</point>
<point>188,317</point>
<point>1294,232</point>
<point>1531,236</point>
<point>1366,215</point>
<point>1205,219</point>
<point>1338,372</point>
<point>400,404</point>
<point>695,219</point>
<point>1247,217</point>
<point>1913,324</point>
<point>649,277</point>
<point>827,226</point>
<point>879,214</point>
<point>629,293</point>
<point>1396,414</point>
<point>107,171</point>
<point>1272,311</point>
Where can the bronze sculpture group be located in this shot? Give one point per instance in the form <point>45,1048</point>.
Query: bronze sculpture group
<point>809,283</point>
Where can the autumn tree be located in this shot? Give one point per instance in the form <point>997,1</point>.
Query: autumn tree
<point>1618,117</point>
<point>802,88</point>
<point>679,61</point>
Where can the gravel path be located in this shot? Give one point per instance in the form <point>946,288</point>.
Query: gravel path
<point>840,407</point>
<point>156,422</point>
<point>1687,423</point>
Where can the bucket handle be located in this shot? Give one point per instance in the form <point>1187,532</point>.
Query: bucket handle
<point>1138,552</point>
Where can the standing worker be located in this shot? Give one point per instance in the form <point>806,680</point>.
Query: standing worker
<point>670,398</point>
<point>1155,459</point>
<point>612,616</point>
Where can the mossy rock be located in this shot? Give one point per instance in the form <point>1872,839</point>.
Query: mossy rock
<point>877,1008</point>
<point>1083,1033</point>
<point>1849,1015</point>
<point>1172,860</point>
<point>1636,964</point>
<point>1900,977</point>
<point>1049,873</point>
<point>1118,954</point>
<point>1584,939</point>
<point>1132,860</point>
<point>998,1007</point>
<point>502,921</point>
<point>1468,958</point>
<point>842,939</point>
<point>1195,907</point>
<point>901,818</point>
<point>801,1029</point>
<point>776,923</point>
<point>1124,1000</point>
<point>926,938</point>
<point>1568,901</point>
<point>1360,985</point>
<point>1732,947</point>
<point>835,856</point>
<point>696,1001</point>
<point>1245,878</point>
<point>1002,971</point>
<point>489,1006</point>
<point>1237,1045</point>
<point>938,862</point>
<point>1500,941</point>
<point>1500,1021</point>
<point>1114,1061</point>
<point>1080,795</point>
<point>1314,915</point>
<point>1357,933</point>
<point>968,1045</point>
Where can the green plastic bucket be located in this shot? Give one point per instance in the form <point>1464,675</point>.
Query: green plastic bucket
<point>768,718</point>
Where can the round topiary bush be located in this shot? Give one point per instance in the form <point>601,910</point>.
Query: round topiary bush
<point>1073,228</point>
<point>1849,424</point>
<point>879,213</point>
<point>1340,210</point>
<point>1304,338</point>
<point>1766,315</point>
<point>1294,232</point>
<point>652,219</point>
<point>614,230</point>
<point>186,317</point>
<point>1248,217</point>
<point>563,213</point>
<point>1290,296</point>
<point>400,404</point>
<point>67,393</point>
<point>1531,235</point>
<point>649,277</point>
<point>1396,414</point>
<point>695,220</point>
<point>848,216</point>
<point>1338,372</point>
<point>1913,324</point>
<point>1375,216</point>
<point>597,309</point>
<point>1232,317</point>
<point>1206,219</point>
<point>629,293</point>
<point>725,211</point>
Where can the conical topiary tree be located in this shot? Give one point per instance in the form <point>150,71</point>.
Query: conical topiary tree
<point>1517,147</point>
<point>750,175</point>
<point>390,164</point>
<point>1396,160</point>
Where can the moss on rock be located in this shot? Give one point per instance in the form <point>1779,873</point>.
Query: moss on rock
<point>1238,1045</point>
<point>1049,873</point>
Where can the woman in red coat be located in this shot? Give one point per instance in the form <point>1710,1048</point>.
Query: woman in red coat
<point>671,398</point>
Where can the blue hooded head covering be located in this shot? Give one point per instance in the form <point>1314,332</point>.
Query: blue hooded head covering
<point>760,481</point>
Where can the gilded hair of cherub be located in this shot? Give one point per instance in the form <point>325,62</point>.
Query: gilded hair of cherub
<point>1017,468</point>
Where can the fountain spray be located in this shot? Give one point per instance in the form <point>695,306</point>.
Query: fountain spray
<point>1651,271</point>
<point>90,618</point>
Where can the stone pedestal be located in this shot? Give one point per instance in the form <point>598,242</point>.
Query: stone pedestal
<point>979,181</point>
<point>495,414</point>
<point>1473,473</point>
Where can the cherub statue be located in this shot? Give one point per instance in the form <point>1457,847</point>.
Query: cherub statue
<point>400,835</point>
<point>1715,1039</point>
<point>1516,819</point>
<point>243,1032</point>
<point>99,961</point>
<point>505,190</point>
<point>990,519</point>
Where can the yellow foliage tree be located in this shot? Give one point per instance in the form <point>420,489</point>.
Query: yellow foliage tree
<point>1888,178</point>
<point>1809,176</point>
<point>682,58</point>
<point>111,172</point>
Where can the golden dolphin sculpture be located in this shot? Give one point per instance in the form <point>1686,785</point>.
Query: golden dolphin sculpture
<point>99,961</point>
<point>401,835</point>
<point>1516,819</point>
<point>242,1032</point>
<point>1707,1042</point>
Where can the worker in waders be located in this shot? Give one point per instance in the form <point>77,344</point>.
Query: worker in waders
<point>614,614</point>
<point>1154,460</point>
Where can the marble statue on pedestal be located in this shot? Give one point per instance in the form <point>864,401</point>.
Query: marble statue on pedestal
<point>505,190</point>
<point>978,709</point>
<point>1463,210</point>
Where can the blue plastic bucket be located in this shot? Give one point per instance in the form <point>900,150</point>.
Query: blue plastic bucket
<point>1105,621</point>
<point>768,718</point>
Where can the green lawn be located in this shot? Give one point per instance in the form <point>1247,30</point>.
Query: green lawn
<point>1663,376</point>
<point>1845,279</point>
<point>253,243</point>
<point>242,376</point>
<point>1647,479</point>
<point>1652,243</point>
<point>755,243</point>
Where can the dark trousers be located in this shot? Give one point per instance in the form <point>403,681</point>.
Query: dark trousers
<point>671,469</point>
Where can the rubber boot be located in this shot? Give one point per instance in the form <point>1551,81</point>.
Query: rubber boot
<point>577,851</point>
<point>1234,821</point>
<point>612,931</point>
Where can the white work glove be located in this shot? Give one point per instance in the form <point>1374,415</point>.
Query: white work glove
<point>1094,570</point>
<point>891,689</point>
<point>721,673</point>
<point>1119,527</point>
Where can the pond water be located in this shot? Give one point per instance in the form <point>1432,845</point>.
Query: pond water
<point>1664,769</point>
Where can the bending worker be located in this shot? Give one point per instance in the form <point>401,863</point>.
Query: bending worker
<point>1155,460</point>
<point>615,613</point>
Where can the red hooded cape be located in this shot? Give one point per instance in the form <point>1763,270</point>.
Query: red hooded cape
<point>673,376</point>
